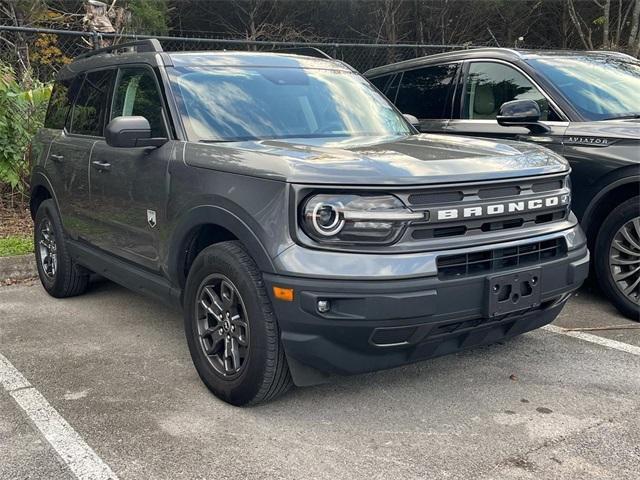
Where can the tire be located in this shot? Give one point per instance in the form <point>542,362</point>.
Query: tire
<point>221,272</point>
<point>66,278</point>
<point>613,277</point>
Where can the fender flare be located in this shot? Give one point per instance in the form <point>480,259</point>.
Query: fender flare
<point>213,215</point>
<point>39,179</point>
<point>621,178</point>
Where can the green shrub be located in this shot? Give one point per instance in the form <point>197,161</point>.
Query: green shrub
<point>22,112</point>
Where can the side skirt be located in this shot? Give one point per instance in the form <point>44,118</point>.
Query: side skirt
<point>124,273</point>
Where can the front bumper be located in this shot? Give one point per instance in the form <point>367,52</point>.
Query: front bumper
<point>379,324</point>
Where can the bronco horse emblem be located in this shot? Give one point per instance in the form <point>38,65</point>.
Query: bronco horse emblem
<point>151,218</point>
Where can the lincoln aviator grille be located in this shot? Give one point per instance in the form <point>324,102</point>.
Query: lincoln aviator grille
<point>486,261</point>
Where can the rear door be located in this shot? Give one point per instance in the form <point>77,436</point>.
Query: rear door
<point>128,185</point>
<point>486,85</point>
<point>70,152</point>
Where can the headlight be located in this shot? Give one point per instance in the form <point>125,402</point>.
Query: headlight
<point>355,219</point>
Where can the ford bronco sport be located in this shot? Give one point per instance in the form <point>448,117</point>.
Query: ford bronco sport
<point>301,222</point>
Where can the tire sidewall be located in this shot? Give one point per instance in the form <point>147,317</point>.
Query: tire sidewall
<point>47,211</point>
<point>619,216</point>
<point>246,385</point>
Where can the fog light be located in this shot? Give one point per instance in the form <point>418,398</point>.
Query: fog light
<point>324,306</point>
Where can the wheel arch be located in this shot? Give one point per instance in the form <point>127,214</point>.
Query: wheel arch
<point>40,191</point>
<point>611,195</point>
<point>206,225</point>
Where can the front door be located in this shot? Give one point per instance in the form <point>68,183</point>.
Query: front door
<point>128,185</point>
<point>487,85</point>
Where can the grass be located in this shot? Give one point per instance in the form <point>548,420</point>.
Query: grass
<point>16,245</point>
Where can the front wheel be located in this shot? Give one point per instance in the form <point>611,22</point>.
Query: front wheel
<point>231,330</point>
<point>617,257</point>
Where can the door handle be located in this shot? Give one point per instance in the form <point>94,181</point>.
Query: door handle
<point>56,158</point>
<point>101,166</point>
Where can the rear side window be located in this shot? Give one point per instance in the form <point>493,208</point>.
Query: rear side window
<point>137,94</point>
<point>388,84</point>
<point>382,82</point>
<point>60,103</point>
<point>425,92</point>
<point>91,105</point>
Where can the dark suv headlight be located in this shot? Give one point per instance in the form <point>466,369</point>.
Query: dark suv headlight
<point>348,219</point>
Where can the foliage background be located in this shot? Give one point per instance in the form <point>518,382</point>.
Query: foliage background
<point>574,24</point>
<point>23,104</point>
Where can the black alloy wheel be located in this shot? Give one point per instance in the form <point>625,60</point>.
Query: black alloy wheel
<point>222,325</point>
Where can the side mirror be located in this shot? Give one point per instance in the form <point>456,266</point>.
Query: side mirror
<point>131,132</point>
<point>521,113</point>
<point>411,119</point>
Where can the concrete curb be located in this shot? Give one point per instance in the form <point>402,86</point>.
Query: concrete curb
<point>18,267</point>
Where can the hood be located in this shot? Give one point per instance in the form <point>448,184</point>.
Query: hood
<point>411,160</point>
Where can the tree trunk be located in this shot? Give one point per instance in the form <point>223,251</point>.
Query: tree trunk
<point>605,27</point>
<point>635,20</point>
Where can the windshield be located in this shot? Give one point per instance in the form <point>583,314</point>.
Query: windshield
<point>238,103</point>
<point>599,87</point>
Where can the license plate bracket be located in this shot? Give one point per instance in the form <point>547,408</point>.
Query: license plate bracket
<point>513,292</point>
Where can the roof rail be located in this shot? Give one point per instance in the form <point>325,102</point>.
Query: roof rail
<point>140,46</point>
<point>306,51</point>
<point>613,53</point>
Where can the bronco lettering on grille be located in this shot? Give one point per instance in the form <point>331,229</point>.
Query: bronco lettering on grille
<point>487,210</point>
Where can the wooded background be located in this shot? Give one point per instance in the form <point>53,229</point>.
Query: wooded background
<point>577,24</point>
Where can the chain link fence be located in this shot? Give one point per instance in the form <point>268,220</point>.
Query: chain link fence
<point>44,51</point>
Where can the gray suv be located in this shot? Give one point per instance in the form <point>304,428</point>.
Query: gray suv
<point>304,226</point>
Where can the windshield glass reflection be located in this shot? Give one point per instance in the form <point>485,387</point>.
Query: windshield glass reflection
<point>235,104</point>
<point>599,87</point>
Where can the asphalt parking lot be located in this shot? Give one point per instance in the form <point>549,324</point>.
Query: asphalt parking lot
<point>115,367</point>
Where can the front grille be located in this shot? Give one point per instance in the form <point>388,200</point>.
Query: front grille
<point>485,191</point>
<point>497,259</point>
<point>465,195</point>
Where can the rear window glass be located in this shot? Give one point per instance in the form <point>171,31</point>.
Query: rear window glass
<point>61,100</point>
<point>424,92</point>
<point>91,104</point>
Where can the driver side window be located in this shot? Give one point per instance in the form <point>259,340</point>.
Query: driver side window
<point>490,84</point>
<point>136,93</point>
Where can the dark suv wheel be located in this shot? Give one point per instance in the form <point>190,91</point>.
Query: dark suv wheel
<point>231,330</point>
<point>60,276</point>
<point>617,257</point>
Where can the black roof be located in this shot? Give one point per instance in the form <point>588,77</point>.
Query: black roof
<point>495,53</point>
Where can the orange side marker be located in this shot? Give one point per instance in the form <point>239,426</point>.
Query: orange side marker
<point>284,294</point>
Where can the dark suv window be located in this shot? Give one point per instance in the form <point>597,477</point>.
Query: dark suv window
<point>136,93</point>
<point>91,105</point>
<point>490,84</point>
<point>61,100</point>
<point>382,82</point>
<point>425,92</point>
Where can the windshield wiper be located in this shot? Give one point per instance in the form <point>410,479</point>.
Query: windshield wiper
<point>222,140</point>
<point>624,116</point>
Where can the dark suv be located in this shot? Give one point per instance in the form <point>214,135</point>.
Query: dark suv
<point>583,105</point>
<point>300,221</point>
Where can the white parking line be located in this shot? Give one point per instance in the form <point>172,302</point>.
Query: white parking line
<point>587,337</point>
<point>74,451</point>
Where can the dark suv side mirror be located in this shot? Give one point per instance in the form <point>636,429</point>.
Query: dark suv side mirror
<point>131,132</point>
<point>521,113</point>
<point>412,119</point>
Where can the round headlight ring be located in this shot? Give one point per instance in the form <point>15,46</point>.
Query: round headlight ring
<point>327,230</point>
